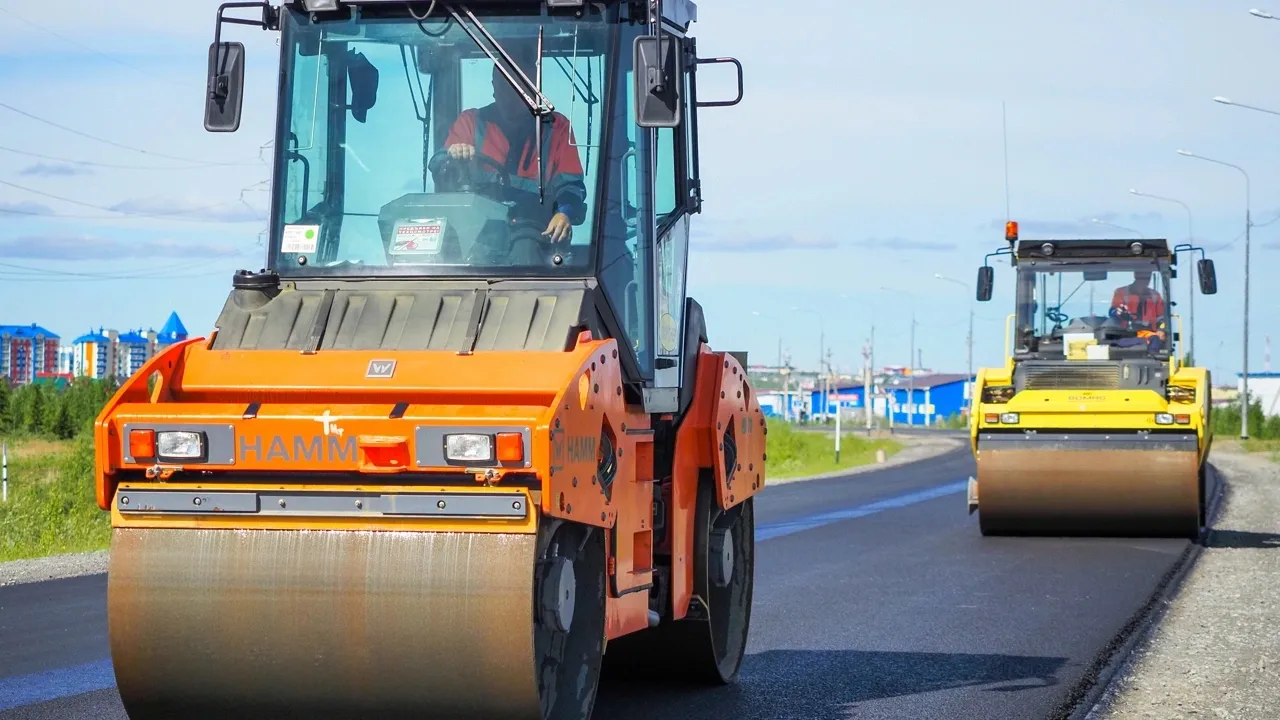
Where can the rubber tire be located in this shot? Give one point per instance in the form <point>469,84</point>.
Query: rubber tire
<point>699,651</point>
<point>575,691</point>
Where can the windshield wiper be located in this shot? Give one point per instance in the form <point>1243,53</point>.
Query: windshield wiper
<point>539,106</point>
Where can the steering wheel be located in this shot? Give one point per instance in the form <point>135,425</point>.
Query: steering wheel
<point>1122,314</point>
<point>461,173</point>
<point>1056,315</point>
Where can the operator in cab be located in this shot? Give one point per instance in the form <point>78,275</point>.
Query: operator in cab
<point>1141,306</point>
<point>503,134</point>
<point>1138,300</point>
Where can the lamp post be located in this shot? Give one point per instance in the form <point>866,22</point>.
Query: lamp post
<point>822,343</point>
<point>1191,287</point>
<point>770,317</point>
<point>1248,225</point>
<point>968,381</point>
<point>1120,227</point>
<point>911,365</point>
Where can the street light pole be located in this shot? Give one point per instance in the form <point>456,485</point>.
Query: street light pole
<point>822,348</point>
<point>911,372</point>
<point>1120,227</point>
<point>968,382</point>
<point>1191,287</point>
<point>1248,226</point>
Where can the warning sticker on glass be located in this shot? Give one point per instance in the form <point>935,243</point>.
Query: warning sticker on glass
<point>420,237</point>
<point>300,238</point>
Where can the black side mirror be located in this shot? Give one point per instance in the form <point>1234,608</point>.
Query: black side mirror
<point>659,74</point>
<point>225,93</point>
<point>363,78</point>
<point>1208,278</point>
<point>986,281</point>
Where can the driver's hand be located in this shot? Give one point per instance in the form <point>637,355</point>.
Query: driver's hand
<point>462,151</point>
<point>559,228</point>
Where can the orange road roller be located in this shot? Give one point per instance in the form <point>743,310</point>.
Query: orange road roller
<point>463,440</point>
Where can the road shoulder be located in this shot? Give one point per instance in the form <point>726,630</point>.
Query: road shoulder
<point>1211,654</point>
<point>915,449</point>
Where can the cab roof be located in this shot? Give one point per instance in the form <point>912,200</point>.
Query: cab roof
<point>1092,248</point>
<point>679,13</point>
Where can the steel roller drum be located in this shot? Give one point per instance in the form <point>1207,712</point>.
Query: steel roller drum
<point>323,624</point>
<point>1102,492</point>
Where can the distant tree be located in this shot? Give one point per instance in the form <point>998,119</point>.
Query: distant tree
<point>33,413</point>
<point>6,424</point>
<point>60,423</point>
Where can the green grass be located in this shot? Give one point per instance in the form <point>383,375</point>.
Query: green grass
<point>51,508</point>
<point>796,453</point>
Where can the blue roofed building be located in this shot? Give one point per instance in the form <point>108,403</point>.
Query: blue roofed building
<point>94,354</point>
<point>133,350</point>
<point>937,396</point>
<point>172,332</point>
<point>27,351</point>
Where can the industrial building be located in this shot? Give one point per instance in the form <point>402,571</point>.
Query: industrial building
<point>1264,389</point>
<point>936,397</point>
<point>899,400</point>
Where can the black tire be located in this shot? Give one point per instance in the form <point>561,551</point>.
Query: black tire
<point>708,645</point>
<point>569,663</point>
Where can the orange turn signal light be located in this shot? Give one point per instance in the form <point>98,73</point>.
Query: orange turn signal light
<point>510,447</point>
<point>993,418</point>
<point>142,444</point>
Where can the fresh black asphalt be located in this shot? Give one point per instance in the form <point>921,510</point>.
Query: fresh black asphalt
<point>875,598</point>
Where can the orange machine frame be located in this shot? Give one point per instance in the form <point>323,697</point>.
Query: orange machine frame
<point>568,400</point>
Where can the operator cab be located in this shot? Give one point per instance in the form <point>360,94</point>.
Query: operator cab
<point>476,176</point>
<point>1093,299</point>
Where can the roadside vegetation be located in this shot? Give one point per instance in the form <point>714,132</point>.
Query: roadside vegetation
<point>47,434</point>
<point>796,453</point>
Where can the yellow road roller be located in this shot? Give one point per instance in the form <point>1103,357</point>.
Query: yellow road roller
<point>462,442</point>
<point>1094,426</point>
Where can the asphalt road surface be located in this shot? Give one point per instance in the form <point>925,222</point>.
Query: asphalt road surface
<point>876,597</point>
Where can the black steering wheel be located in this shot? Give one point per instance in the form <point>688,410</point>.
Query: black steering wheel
<point>459,174</point>
<point>527,243</point>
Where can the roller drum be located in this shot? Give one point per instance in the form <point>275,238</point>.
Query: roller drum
<point>1089,491</point>
<point>323,624</point>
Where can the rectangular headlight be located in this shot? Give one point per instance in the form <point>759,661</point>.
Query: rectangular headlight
<point>468,448</point>
<point>1164,419</point>
<point>1009,418</point>
<point>179,445</point>
<point>320,5</point>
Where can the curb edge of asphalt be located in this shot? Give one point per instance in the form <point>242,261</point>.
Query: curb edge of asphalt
<point>1088,695</point>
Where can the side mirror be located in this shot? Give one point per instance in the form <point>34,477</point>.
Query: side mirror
<point>363,78</point>
<point>224,97</point>
<point>658,77</point>
<point>986,281</point>
<point>1208,278</point>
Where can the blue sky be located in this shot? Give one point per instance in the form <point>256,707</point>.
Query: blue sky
<point>866,153</point>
